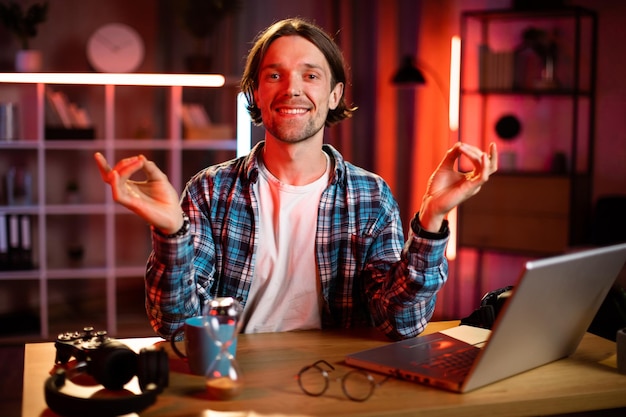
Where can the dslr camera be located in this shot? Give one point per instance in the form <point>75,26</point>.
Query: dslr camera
<point>109,361</point>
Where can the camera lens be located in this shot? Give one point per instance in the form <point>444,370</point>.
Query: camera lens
<point>113,365</point>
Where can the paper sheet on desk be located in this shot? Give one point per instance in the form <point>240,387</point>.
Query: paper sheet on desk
<point>469,334</point>
<point>212,413</point>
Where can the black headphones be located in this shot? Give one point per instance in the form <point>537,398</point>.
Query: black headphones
<point>490,305</point>
<point>113,369</point>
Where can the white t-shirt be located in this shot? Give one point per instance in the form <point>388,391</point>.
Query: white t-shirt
<point>285,290</point>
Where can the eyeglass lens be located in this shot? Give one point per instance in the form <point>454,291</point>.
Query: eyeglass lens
<point>357,385</point>
<point>313,381</point>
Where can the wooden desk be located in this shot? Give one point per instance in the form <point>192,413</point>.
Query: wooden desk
<point>586,381</point>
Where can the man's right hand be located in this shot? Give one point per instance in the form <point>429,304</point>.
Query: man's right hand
<point>154,199</point>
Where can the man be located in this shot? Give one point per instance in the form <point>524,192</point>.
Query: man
<point>301,237</point>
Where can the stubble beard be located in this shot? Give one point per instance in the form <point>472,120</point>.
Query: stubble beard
<point>294,131</point>
<point>294,134</point>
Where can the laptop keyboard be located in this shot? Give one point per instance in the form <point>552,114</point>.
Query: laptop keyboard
<point>455,363</point>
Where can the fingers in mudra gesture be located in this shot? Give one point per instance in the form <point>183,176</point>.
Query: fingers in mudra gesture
<point>448,187</point>
<point>153,198</point>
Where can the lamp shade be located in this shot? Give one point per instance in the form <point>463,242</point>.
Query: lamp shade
<point>408,73</point>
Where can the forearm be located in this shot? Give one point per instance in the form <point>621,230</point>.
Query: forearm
<point>405,300</point>
<point>170,284</point>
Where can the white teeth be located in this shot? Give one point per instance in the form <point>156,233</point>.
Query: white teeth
<point>293,111</point>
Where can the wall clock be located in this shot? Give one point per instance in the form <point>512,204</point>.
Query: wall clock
<point>115,47</point>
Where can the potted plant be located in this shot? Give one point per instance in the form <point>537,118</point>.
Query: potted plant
<point>23,24</point>
<point>201,18</point>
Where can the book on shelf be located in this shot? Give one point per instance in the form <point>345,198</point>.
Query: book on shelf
<point>195,115</point>
<point>496,69</point>
<point>197,124</point>
<point>79,116</point>
<point>52,116</point>
<point>59,109</point>
<point>66,119</point>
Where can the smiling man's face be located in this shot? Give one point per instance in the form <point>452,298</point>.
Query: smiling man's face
<point>294,90</point>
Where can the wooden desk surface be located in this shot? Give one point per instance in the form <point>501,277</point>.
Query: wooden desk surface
<point>588,380</point>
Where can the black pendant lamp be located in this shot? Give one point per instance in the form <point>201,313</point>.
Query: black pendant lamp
<point>408,73</point>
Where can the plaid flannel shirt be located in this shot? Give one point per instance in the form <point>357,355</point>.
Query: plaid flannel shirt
<point>369,275</point>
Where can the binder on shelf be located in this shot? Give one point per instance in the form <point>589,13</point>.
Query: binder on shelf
<point>14,240</point>
<point>19,185</point>
<point>26,242</point>
<point>18,234</point>
<point>4,243</point>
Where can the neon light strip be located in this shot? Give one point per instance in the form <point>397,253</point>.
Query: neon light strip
<point>455,80</point>
<point>244,126</point>
<point>453,123</point>
<point>184,80</point>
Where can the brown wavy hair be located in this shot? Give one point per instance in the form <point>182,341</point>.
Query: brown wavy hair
<point>315,35</point>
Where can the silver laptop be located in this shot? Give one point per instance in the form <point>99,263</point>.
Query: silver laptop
<point>551,308</point>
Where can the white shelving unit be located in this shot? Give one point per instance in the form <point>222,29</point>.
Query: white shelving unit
<point>111,244</point>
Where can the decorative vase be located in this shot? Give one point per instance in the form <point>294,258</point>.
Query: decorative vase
<point>28,60</point>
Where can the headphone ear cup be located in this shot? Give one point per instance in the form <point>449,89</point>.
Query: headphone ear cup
<point>487,316</point>
<point>69,406</point>
<point>54,398</point>
<point>153,369</point>
<point>152,373</point>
